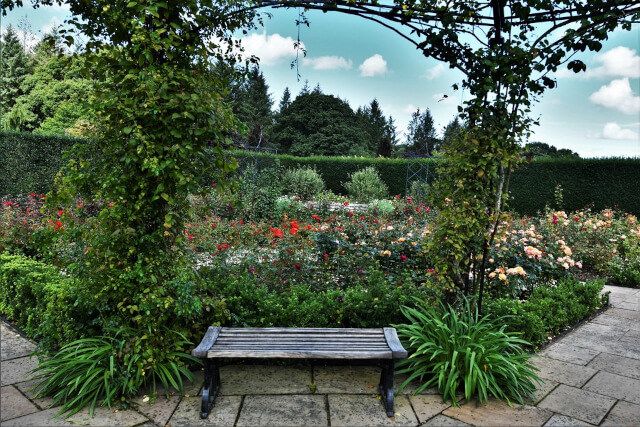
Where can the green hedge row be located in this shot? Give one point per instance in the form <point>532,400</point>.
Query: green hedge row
<point>29,164</point>
<point>335,171</point>
<point>596,183</point>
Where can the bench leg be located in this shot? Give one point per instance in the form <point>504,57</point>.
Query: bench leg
<point>211,386</point>
<point>386,386</point>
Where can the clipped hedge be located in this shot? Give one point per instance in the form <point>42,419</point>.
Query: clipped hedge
<point>29,163</point>
<point>596,183</point>
<point>336,171</point>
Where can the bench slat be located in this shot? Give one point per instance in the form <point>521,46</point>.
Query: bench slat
<point>338,331</point>
<point>301,354</point>
<point>226,339</point>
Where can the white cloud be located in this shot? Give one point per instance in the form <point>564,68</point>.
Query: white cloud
<point>434,72</point>
<point>374,66</point>
<point>410,109</point>
<point>271,49</point>
<point>328,63</point>
<point>617,95</point>
<point>614,131</point>
<point>443,98</point>
<point>617,62</point>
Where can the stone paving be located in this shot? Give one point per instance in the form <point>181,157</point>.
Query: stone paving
<point>591,377</point>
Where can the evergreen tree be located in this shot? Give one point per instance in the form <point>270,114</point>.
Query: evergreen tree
<point>14,64</point>
<point>421,133</point>
<point>389,139</point>
<point>374,124</point>
<point>305,89</point>
<point>253,107</point>
<point>285,101</point>
<point>450,132</point>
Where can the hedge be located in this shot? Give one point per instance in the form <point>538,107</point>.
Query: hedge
<point>30,163</point>
<point>595,183</point>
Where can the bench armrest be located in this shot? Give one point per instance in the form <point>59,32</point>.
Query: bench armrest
<point>397,350</point>
<point>207,342</point>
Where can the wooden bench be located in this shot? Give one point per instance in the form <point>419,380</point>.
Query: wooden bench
<point>298,343</point>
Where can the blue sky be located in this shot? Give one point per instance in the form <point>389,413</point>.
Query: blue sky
<point>596,114</point>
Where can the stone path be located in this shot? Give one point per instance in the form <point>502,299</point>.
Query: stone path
<point>591,377</point>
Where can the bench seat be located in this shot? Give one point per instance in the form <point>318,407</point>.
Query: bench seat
<point>298,343</point>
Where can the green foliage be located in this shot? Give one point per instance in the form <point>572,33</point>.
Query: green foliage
<point>304,182</point>
<point>597,183</point>
<point>318,124</point>
<point>106,370</point>
<point>381,207</point>
<point>366,185</point>
<point>372,303</point>
<point>457,350</point>
<point>42,301</point>
<point>258,192</point>
<point>15,67</point>
<point>421,133</point>
<point>625,273</point>
<point>549,309</point>
<point>252,106</point>
<point>30,162</point>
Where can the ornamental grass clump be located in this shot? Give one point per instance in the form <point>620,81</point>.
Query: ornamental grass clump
<point>459,351</point>
<point>107,370</point>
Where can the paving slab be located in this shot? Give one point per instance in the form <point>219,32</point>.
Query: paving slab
<point>101,417</point>
<point>562,372</point>
<point>623,414</point>
<point>542,390</point>
<point>581,404</point>
<point>631,335</point>
<point>223,413</point>
<point>625,314</point>
<point>347,379</point>
<point>411,388</point>
<point>428,406</point>
<point>569,353</point>
<point>14,345</point>
<point>27,389</point>
<point>563,420</point>
<point>623,322</point>
<point>597,332</point>
<point>617,386</point>
<point>498,413</point>
<point>13,404</point>
<point>293,410</point>
<point>367,410</point>
<point>16,370</point>
<point>444,421</point>
<point>264,379</point>
<point>616,365</point>
<point>158,410</point>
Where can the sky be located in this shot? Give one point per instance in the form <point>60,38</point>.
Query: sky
<point>596,114</point>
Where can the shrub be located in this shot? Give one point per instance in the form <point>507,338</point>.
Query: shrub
<point>460,350</point>
<point>109,369</point>
<point>366,185</point>
<point>549,309</point>
<point>44,303</point>
<point>258,193</point>
<point>305,183</point>
<point>381,207</point>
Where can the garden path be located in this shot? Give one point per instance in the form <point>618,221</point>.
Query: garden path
<point>591,377</point>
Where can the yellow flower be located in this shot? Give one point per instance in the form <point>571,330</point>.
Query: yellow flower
<point>502,276</point>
